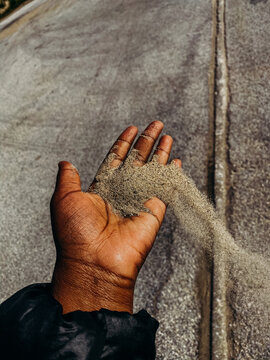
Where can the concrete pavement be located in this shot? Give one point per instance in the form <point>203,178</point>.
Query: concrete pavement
<point>75,74</point>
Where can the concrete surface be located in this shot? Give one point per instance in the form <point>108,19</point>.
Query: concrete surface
<point>75,75</point>
<point>248,36</point>
<point>78,73</point>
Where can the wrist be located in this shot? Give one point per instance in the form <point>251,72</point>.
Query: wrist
<point>87,287</point>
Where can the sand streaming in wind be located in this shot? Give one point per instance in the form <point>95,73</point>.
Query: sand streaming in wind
<point>247,286</point>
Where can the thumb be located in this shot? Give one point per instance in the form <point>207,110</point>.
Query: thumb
<point>68,179</point>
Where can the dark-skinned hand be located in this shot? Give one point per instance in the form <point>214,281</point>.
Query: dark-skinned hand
<point>99,253</point>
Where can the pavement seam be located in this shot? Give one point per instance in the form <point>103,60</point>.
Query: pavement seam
<point>219,342</point>
<point>205,342</point>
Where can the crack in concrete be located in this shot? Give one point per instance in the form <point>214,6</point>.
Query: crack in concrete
<point>219,343</point>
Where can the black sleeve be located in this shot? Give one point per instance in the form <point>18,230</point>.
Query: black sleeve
<point>32,326</point>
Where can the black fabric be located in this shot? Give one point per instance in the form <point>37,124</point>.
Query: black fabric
<point>32,326</point>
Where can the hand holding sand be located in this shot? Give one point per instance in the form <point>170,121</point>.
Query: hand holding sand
<point>99,253</point>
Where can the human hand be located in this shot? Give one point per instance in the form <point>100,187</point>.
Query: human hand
<point>99,254</point>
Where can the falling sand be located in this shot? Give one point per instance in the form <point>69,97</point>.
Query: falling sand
<point>247,285</point>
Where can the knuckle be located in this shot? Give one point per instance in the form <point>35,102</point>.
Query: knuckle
<point>159,148</point>
<point>118,156</point>
<point>124,141</point>
<point>140,158</point>
<point>147,136</point>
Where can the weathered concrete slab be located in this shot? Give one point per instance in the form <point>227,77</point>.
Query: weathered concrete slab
<point>75,75</point>
<point>248,37</point>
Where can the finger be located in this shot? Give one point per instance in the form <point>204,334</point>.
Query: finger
<point>146,141</point>
<point>177,162</point>
<point>68,179</point>
<point>158,209</point>
<point>163,149</point>
<point>120,148</point>
<point>122,145</point>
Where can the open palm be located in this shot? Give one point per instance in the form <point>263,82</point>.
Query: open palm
<point>86,230</point>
